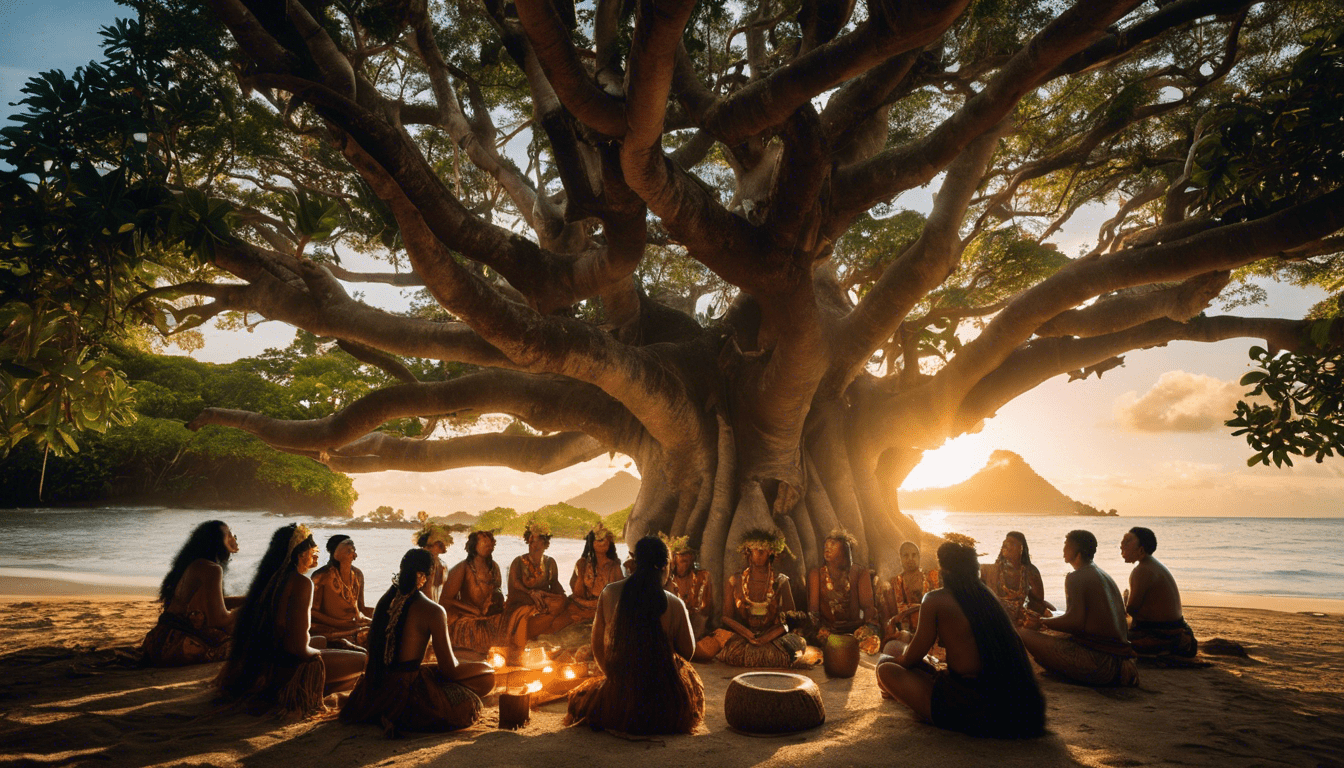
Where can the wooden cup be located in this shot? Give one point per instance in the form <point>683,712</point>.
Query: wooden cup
<point>515,710</point>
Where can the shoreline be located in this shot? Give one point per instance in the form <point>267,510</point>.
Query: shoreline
<point>17,589</point>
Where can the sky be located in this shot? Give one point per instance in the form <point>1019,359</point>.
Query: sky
<point>1145,439</point>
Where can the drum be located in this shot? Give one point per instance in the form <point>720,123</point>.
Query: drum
<point>772,703</point>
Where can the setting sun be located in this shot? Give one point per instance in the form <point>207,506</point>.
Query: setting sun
<point>956,461</point>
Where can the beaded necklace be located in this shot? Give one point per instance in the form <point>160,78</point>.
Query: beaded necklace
<point>837,599</point>
<point>1016,592</point>
<point>905,593</point>
<point>344,590</point>
<point>532,571</point>
<point>762,608</point>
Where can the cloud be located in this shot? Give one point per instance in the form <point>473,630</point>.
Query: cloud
<point>1179,402</point>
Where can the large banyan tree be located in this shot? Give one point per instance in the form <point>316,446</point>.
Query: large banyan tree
<point>671,229</point>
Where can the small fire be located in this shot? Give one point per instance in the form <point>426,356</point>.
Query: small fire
<point>496,660</point>
<point>568,673</point>
<point>548,670</point>
<point>534,686</point>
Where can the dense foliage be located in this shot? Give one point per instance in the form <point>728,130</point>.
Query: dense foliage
<point>672,229</point>
<point>566,521</point>
<point>1304,415</point>
<point>156,459</point>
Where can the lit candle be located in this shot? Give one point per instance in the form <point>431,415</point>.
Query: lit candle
<point>568,673</point>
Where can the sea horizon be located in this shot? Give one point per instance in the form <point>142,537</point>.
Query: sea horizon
<point>132,547</point>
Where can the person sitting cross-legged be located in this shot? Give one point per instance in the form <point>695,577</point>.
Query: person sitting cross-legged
<point>988,687</point>
<point>1157,623</point>
<point>534,582</point>
<point>196,624</point>
<point>642,641</point>
<point>754,632</point>
<point>840,595</point>
<point>397,690</point>
<point>1096,650</point>
<point>273,662</point>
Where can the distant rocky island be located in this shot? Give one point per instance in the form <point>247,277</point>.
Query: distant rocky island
<point>616,492</point>
<point>1005,485</point>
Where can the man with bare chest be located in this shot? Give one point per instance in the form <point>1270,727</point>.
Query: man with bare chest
<point>1157,623</point>
<point>1096,650</point>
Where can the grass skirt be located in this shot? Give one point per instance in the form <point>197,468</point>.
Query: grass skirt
<point>780,652</point>
<point>413,697</point>
<point>481,633</point>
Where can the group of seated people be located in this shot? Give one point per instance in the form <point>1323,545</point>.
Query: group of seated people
<point>292,640</point>
<point>988,624</point>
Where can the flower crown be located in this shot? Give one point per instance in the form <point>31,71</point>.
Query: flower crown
<point>840,534</point>
<point>963,540</point>
<point>536,527</point>
<point>677,544</point>
<point>760,538</point>
<point>600,531</point>
<point>433,531</point>
<point>300,534</point>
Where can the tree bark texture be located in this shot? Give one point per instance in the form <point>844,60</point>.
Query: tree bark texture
<point>803,407</point>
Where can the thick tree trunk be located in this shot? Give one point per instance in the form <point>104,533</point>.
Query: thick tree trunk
<point>838,492</point>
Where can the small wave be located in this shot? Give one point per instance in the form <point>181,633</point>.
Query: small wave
<point>1305,574</point>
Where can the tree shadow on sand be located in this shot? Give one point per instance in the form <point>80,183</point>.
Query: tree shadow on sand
<point>63,707</point>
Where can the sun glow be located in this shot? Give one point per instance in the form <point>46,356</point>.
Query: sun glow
<point>956,461</point>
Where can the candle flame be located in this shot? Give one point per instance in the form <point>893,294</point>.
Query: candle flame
<point>548,670</point>
<point>496,660</point>
<point>534,686</point>
<point>568,673</point>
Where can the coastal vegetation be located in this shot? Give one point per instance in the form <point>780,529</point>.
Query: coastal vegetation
<point>674,230</point>
<point>155,459</point>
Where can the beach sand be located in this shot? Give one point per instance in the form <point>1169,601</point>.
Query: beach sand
<point>68,698</point>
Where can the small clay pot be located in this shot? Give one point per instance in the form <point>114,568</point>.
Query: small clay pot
<point>840,656</point>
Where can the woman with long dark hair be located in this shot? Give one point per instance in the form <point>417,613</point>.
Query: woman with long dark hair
<point>642,641</point>
<point>1015,580</point>
<point>397,689</point>
<point>474,602</point>
<point>988,687</point>
<point>196,619</point>
<point>273,661</point>
<point>598,566</point>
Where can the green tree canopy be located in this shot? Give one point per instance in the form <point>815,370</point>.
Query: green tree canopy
<point>674,229</point>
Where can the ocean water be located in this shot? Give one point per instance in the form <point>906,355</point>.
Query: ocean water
<point>1284,557</point>
<point>133,547</point>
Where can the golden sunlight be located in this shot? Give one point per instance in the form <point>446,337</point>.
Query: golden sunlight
<point>956,461</point>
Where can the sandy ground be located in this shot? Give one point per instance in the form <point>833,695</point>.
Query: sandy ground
<point>67,697</point>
